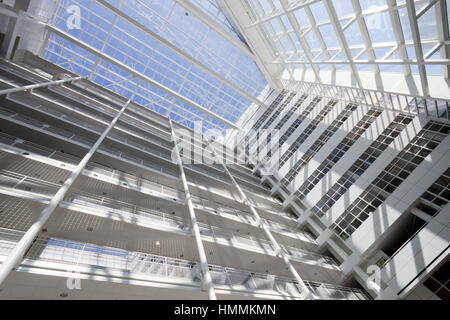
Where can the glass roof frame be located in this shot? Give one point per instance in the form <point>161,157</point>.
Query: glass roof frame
<point>210,78</point>
<point>392,52</point>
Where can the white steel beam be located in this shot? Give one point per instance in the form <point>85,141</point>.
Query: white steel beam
<point>410,6</point>
<point>443,32</point>
<point>258,60</point>
<point>137,74</point>
<point>17,254</point>
<point>206,280</point>
<point>342,40</point>
<point>39,85</point>
<point>303,43</point>
<point>306,293</point>
<point>166,43</point>
<point>367,41</point>
<point>398,34</point>
<point>203,17</point>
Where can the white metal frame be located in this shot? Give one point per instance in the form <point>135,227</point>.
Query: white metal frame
<point>314,59</point>
<point>16,255</point>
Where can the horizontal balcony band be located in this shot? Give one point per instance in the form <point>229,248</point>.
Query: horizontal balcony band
<point>96,129</point>
<point>89,204</point>
<point>78,255</point>
<point>47,153</point>
<point>67,93</point>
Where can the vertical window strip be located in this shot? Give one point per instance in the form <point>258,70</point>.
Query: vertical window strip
<point>269,110</point>
<point>261,120</point>
<point>362,164</point>
<point>436,197</point>
<point>319,143</point>
<point>337,153</point>
<point>275,114</point>
<point>390,178</point>
<point>283,121</point>
<point>307,132</point>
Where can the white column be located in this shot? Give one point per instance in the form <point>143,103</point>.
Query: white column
<point>207,280</point>
<point>17,254</point>
<point>262,225</point>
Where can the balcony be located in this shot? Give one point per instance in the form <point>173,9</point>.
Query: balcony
<point>58,252</point>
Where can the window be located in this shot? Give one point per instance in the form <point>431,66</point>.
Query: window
<point>364,161</point>
<point>319,143</point>
<point>306,133</point>
<point>386,183</point>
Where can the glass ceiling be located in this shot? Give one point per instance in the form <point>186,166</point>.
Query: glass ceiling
<point>181,66</point>
<point>360,37</point>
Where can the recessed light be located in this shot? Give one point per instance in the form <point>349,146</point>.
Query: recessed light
<point>158,243</point>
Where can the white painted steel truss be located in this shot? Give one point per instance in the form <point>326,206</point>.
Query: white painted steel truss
<point>392,46</point>
<point>191,63</point>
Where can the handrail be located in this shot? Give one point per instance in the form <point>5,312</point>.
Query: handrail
<point>142,263</point>
<point>51,153</point>
<point>88,200</point>
<point>39,85</point>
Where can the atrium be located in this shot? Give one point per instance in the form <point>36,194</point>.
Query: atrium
<point>225,149</point>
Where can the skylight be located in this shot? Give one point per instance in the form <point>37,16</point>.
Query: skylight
<point>365,44</point>
<point>181,66</point>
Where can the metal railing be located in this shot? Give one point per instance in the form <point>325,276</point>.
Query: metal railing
<point>122,209</point>
<point>141,183</point>
<point>30,101</point>
<point>85,254</point>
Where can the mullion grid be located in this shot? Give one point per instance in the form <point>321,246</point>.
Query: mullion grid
<point>286,117</point>
<point>296,124</point>
<point>307,132</point>
<point>273,117</point>
<point>269,110</point>
<point>359,17</point>
<point>439,282</point>
<point>319,143</point>
<point>96,31</point>
<point>437,196</point>
<point>362,164</point>
<point>390,178</point>
<point>263,118</point>
<point>277,112</point>
<point>337,153</point>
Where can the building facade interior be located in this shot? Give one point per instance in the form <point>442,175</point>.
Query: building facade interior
<point>225,149</point>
